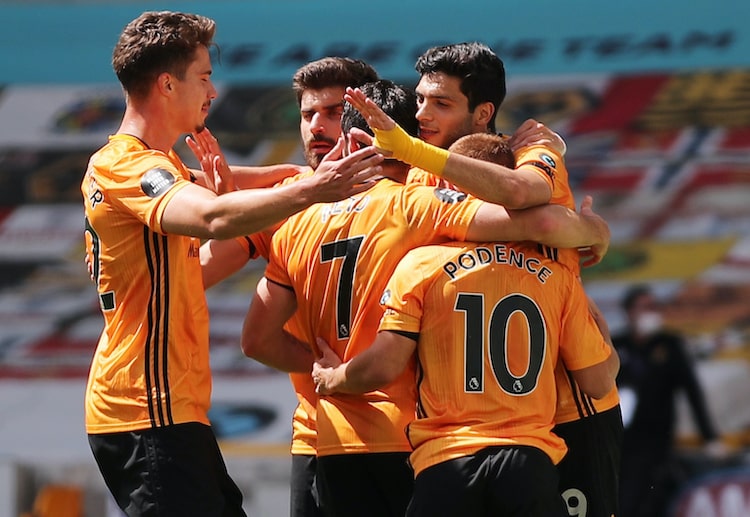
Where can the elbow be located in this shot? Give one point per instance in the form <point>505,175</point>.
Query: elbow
<point>547,227</point>
<point>218,228</point>
<point>517,199</point>
<point>251,345</point>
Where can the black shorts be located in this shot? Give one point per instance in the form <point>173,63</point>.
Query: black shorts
<point>590,471</point>
<point>365,485</point>
<point>500,481</point>
<point>173,470</point>
<point>303,496</point>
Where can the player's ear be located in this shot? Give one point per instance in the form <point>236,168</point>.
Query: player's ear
<point>483,113</point>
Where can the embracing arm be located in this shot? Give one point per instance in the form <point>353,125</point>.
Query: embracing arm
<point>552,225</point>
<point>371,369</point>
<point>512,188</point>
<point>220,259</point>
<point>207,151</point>
<point>598,380</point>
<point>199,212</point>
<point>263,336</point>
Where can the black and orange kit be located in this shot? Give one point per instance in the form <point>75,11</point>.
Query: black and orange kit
<point>149,386</point>
<point>337,257</point>
<point>491,321</point>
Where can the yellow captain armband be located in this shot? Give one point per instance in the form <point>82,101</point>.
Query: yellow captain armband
<point>411,150</point>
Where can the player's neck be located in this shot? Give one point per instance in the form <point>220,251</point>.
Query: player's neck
<point>397,171</point>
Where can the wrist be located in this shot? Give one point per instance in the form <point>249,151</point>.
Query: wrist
<point>411,150</point>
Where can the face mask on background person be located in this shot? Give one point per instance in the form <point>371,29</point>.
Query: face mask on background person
<point>648,322</point>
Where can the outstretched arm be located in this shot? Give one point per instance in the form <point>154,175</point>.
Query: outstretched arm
<point>199,212</point>
<point>512,188</point>
<point>552,225</point>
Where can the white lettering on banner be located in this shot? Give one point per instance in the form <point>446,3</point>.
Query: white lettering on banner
<point>728,497</point>
<point>266,41</point>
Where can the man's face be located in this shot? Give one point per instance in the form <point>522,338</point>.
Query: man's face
<point>320,122</point>
<point>195,92</point>
<point>443,111</point>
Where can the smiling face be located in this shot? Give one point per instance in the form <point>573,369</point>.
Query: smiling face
<point>443,110</point>
<point>320,122</point>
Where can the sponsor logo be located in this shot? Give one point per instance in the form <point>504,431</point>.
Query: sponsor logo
<point>549,171</point>
<point>385,297</point>
<point>449,196</point>
<point>548,160</point>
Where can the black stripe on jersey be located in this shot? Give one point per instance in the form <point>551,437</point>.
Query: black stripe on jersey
<point>158,331</point>
<point>584,404</point>
<point>165,338</point>
<point>252,250</point>
<point>420,407</point>
<point>414,336</point>
<point>550,253</point>
<point>287,287</point>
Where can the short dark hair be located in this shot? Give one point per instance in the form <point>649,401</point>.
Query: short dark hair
<point>157,42</point>
<point>480,70</point>
<point>332,71</point>
<point>398,102</point>
<point>632,294</point>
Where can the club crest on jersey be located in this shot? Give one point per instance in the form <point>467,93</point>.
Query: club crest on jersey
<point>547,165</point>
<point>449,196</point>
<point>385,297</point>
<point>156,182</point>
<point>548,160</point>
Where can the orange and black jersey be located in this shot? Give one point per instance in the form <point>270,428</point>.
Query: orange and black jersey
<point>151,364</point>
<point>572,402</point>
<point>304,429</point>
<point>337,258</point>
<point>491,321</point>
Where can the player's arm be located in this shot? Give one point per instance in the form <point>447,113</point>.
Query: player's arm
<point>221,259</point>
<point>199,212</point>
<point>263,336</point>
<point>552,225</point>
<point>371,369</point>
<point>519,188</point>
<point>533,132</point>
<point>207,151</point>
<point>599,377</point>
<point>598,380</point>
<point>512,188</point>
<point>255,176</point>
<point>264,176</point>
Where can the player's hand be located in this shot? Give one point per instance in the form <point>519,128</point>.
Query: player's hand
<point>324,368</point>
<point>375,117</point>
<point>206,149</point>
<point>594,254</point>
<point>361,136</point>
<point>338,177</point>
<point>532,132</point>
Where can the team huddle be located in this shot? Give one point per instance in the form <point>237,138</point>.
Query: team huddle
<point>422,290</point>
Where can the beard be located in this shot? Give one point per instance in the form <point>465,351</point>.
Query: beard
<point>313,156</point>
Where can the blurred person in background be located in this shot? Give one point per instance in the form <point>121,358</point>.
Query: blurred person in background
<point>655,367</point>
